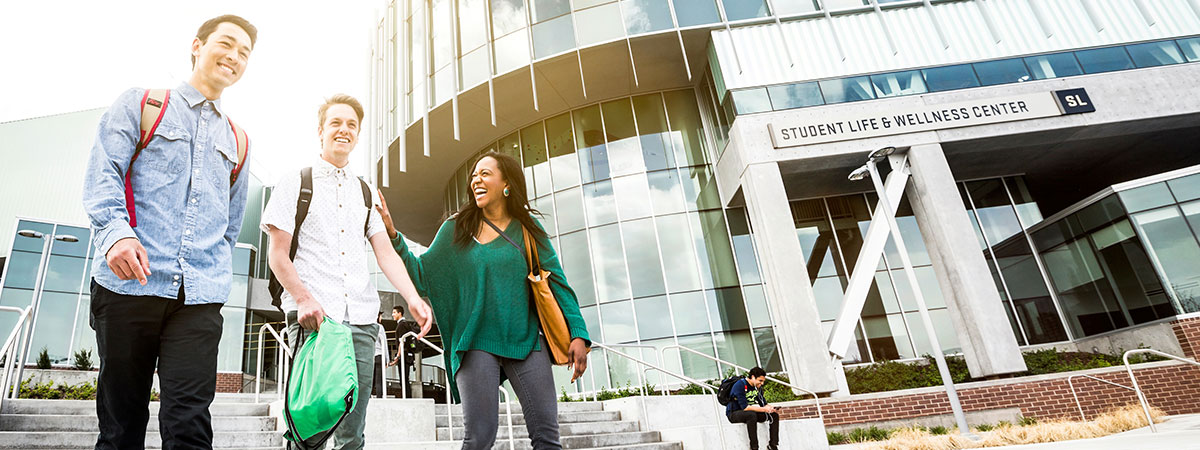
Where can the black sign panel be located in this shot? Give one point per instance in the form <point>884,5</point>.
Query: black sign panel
<point>1074,101</point>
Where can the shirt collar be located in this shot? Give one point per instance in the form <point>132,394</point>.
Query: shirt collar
<point>195,98</point>
<point>324,168</point>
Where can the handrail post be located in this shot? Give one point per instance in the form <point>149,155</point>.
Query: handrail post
<point>1141,396</point>
<point>508,412</point>
<point>680,349</point>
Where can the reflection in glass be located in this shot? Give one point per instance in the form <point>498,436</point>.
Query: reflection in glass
<point>1186,188</point>
<point>687,131</point>
<point>511,52</point>
<point>1172,244</point>
<point>653,318</point>
<point>507,16</point>
<point>641,253</point>
<point>1027,209</point>
<point>1001,72</point>
<point>21,268</point>
<point>1086,296</point>
<point>949,78</point>
<point>768,353</point>
<point>1104,59</point>
<point>79,248</point>
<point>727,309</point>
<point>546,9</point>
<point>589,140</point>
<point>700,188</point>
<point>599,203</point>
<point>618,323</point>
<point>474,68</point>
<point>608,261</point>
<point>679,257</point>
<point>632,192</point>
<point>756,306</point>
<point>569,210</point>
<point>899,83</point>
<point>1146,197</point>
<point>743,246</point>
<point>749,101</point>
<point>535,161</point>
<point>941,325</point>
<point>796,95</point>
<point>577,266</point>
<point>472,18</point>
<point>1191,48</point>
<point>1152,54</point>
<point>745,9</point>
<point>653,132</point>
<point>689,312</point>
<point>847,90</point>
<point>64,273</point>
<point>599,24</point>
<point>554,36</point>
<point>696,12</point>
<point>591,316</point>
<point>563,161</point>
<point>644,16</point>
<point>1055,65</point>
<point>666,194</point>
<point>712,246</point>
<point>736,347</point>
<point>788,7</point>
<point>696,366</point>
<point>53,325</point>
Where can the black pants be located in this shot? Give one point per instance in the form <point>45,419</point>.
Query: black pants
<point>134,334</point>
<point>378,391</point>
<point>751,419</point>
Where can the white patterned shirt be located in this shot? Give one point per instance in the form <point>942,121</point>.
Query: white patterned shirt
<point>331,258</point>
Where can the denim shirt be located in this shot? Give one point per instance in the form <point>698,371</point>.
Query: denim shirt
<point>188,215</point>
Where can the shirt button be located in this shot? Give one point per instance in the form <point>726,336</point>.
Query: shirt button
<point>181,260</point>
<point>176,277</point>
<point>187,231</point>
<point>193,200</point>
<point>196,172</point>
<point>343,231</point>
<point>174,283</point>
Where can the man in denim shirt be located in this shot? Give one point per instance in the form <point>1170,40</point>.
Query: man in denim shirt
<point>748,405</point>
<point>157,293</point>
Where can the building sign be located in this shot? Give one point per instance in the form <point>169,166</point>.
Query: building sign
<point>818,128</point>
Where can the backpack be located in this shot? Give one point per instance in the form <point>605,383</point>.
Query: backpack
<point>154,107</point>
<point>725,392</point>
<point>302,202</point>
<point>322,386</point>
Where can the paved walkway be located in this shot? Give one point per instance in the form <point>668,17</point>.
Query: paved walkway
<point>1176,433</point>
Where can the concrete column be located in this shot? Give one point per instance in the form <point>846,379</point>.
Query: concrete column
<point>974,304</point>
<point>789,290</point>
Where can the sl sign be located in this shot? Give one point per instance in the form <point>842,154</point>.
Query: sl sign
<point>1074,101</point>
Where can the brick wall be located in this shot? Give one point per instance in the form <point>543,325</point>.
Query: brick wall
<point>1187,331</point>
<point>229,382</point>
<point>1171,386</point>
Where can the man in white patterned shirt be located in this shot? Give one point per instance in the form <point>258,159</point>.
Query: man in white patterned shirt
<point>330,276</point>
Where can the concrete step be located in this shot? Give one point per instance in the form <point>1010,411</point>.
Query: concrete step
<point>86,440</point>
<point>516,407</point>
<point>73,422</point>
<point>568,417</point>
<point>88,407</point>
<point>456,445</point>
<point>614,440</point>
<point>565,429</point>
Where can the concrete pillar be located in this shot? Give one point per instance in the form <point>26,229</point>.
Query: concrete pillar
<point>789,290</point>
<point>974,304</point>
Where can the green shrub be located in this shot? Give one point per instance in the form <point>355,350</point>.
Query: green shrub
<point>938,430</point>
<point>984,427</point>
<point>836,438</point>
<point>869,434</point>
<point>1003,424</point>
<point>83,359</point>
<point>43,361</point>
<point>1027,421</point>
<point>47,390</point>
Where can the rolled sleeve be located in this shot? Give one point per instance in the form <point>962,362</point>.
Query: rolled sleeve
<point>281,209</point>
<point>374,221</point>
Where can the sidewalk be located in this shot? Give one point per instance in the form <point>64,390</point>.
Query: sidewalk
<point>1180,432</point>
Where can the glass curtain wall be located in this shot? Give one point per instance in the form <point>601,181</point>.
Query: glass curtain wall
<point>628,197</point>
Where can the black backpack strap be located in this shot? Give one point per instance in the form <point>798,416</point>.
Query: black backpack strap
<point>302,202</point>
<point>367,201</point>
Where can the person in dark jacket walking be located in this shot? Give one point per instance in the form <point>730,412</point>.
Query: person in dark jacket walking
<point>748,406</point>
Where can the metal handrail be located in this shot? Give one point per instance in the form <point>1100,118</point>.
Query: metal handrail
<point>282,365</point>
<point>508,411</point>
<point>11,361</point>
<point>404,377</point>
<point>1072,385</point>
<point>716,417</point>
<point>816,399</point>
<point>642,378</point>
<point>1138,389</point>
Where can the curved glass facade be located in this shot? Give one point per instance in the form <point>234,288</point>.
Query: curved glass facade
<point>628,198</point>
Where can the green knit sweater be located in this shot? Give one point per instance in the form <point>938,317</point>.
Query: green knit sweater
<point>481,297</point>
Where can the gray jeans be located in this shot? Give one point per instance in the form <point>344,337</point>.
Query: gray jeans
<point>478,381</point>
<point>349,435</point>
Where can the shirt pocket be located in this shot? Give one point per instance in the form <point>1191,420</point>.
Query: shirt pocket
<point>167,153</point>
<point>224,160</point>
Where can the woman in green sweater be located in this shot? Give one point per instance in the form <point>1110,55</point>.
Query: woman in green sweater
<point>475,279</point>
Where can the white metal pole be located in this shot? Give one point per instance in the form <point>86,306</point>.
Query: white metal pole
<point>939,357</point>
<point>39,283</point>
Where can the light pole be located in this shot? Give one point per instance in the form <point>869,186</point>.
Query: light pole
<point>47,239</point>
<point>869,170</point>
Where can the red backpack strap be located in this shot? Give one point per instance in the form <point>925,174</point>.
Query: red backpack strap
<point>243,150</point>
<point>154,107</point>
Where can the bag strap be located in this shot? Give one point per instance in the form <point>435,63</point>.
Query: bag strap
<point>154,107</point>
<point>505,236</point>
<point>242,141</point>
<point>532,259</point>
<point>367,201</point>
<point>302,203</point>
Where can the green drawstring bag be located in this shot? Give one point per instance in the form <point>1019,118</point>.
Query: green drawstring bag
<point>322,385</point>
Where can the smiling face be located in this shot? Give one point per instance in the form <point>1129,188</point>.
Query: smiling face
<point>339,132</point>
<point>756,382</point>
<point>221,59</point>
<point>487,183</point>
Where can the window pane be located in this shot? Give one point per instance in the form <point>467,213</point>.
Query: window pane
<point>474,68</point>
<point>570,210</point>
<point>847,90</point>
<point>21,268</point>
<point>1001,72</point>
<point>85,337</point>
<point>507,16</point>
<point>624,151</point>
<point>617,320</point>
<point>1186,188</point>
<point>612,279</point>
<point>666,194</point>
<point>653,132</point>
<point>743,246</point>
<point>1053,66</point>
<point>1191,48</point>
<point>65,274</point>
<point>547,9</point>
<point>679,258</point>
<point>712,244</point>
<point>599,24</point>
<point>689,312</point>
<point>591,316</point>
<point>1146,197</point>
<point>745,9</point>
<point>695,366</point>
<point>632,192</point>
<point>1173,247</point>
<point>564,163</point>
<point>54,323</point>
<point>696,12</point>
<point>1104,60</point>
<point>999,219</point>
<point>687,131</point>
<point>900,83</point>
<point>942,326</point>
<point>736,347</point>
<point>756,306</point>
<point>589,139</point>
<point>577,266</point>
<point>644,16</point>
<point>472,23</point>
<point>768,353</point>
<point>512,51</point>
<point>653,318</point>
<point>535,160</point>
<point>1153,54</point>
<point>443,49</point>
<point>1083,289</point>
<point>552,37</point>
<point>600,204</point>
<point>1027,209</point>
<point>786,7</point>
<point>948,78</point>
<point>727,309</point>
<point>751,101</point>
<point>699,188</point>
<point>795,95</point>
<point>641,253</point>
<point>443,85</point>
<point>79,248</point>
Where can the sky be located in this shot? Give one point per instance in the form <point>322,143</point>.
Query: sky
<point>64,56</point>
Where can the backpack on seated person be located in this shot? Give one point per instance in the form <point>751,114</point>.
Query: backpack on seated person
<point>302,202</point>
<point>724,393</point>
